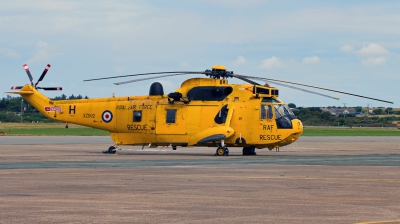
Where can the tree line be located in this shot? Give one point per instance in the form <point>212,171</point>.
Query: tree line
<point>314,116</point>
<point>10,111</point>
<point>11,108</point>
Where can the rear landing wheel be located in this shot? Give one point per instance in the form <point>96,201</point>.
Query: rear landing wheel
<point>246,151</point>
<point>251,150</point>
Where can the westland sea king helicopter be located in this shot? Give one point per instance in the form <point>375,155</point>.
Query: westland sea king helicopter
<point>201,112</point>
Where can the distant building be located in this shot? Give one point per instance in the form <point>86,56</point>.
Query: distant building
<point>339,111</point>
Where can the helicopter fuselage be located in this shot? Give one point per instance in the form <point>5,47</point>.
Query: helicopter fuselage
<point>206,112</point>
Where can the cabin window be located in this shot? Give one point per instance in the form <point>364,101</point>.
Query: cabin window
<point>222,114</point>
<point>209,93</point>
<point>137,116</point>
<point>266,112</point>
<point>262,91</point>
<point>171,116</point>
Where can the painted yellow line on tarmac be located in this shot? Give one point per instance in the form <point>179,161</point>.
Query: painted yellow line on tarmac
<point>378,222</point>
<point>242,176</point>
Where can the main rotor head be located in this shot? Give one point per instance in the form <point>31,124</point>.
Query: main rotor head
<point>218,71</point>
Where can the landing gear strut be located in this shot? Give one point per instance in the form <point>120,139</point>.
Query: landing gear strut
<point>222,150</point>
<point>110,150</point>
<point>251,150</point>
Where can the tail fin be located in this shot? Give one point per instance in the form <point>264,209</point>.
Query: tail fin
<point>35,98</point>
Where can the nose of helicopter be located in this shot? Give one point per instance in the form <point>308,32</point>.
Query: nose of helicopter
<point>297,129</point>
<point>297,125</point>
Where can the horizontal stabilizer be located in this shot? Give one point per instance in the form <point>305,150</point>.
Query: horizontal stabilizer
<point>21,92</point>
<point>50,88</point>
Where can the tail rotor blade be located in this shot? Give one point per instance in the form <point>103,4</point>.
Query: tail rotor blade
<point>28,72</point>
<point>43,74</point>
<point>16,87</point>
<point>50,88</point>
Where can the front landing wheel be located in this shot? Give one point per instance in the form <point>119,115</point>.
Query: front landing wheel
<point>222,151</point>
<point>111,150</point>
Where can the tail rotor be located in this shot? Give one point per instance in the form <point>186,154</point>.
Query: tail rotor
<point>43,74</point>
<point>39,80</point>
<point>29,73</point>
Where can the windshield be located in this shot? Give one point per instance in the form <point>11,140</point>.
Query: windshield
<point>282,110</point>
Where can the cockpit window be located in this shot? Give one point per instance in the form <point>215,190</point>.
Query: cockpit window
<point>266,112</point>
<point>209,93</point>
<point>282,110</point>
<point>288,110</point>
<point>283,116</point>
<point>270,100</point>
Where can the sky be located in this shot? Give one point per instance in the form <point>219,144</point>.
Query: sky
<point>349,46</point>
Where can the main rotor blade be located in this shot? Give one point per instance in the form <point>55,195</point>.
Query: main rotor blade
<point>151,73</point>
<point>143,79</point>
<point>316,87</point>
<point>293,87</point>
<point>29,73</point>
<point>246,80</point>
<point>304,90</point>
<point>43,74</point>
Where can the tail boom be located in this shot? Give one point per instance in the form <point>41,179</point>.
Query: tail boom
<point>62,110</point>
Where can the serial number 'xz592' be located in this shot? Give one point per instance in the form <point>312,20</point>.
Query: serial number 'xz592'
<point>86,115</point>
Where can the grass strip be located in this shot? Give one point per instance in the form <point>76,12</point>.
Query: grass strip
<point>311,131</point>
<point>58,129</point>
<point>49,129</point>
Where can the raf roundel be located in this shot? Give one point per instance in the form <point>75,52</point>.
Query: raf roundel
<point>107,116</point>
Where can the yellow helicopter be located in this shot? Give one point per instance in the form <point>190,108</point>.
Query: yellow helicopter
<point>202,112</point>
